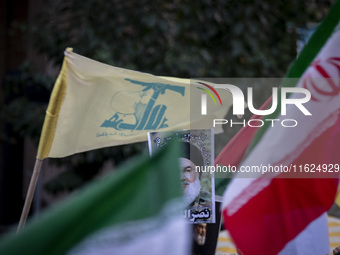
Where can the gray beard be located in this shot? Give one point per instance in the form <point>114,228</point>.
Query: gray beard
<point>200,240</point>
<point>192,191</point>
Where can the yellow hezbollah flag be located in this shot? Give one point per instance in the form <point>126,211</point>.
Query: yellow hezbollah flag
<point>94,105</point>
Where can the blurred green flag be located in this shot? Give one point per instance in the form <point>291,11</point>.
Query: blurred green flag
<point>138,208</point>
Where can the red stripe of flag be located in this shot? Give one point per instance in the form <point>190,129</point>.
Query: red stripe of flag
<point>273,215</point>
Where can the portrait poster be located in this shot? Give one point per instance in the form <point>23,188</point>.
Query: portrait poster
<point>205,235</point>
<point>196,157</point>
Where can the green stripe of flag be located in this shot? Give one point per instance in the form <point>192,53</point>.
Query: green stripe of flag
<point>304,59</point>
<point>136,191</point>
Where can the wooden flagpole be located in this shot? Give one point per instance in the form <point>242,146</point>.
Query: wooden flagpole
<point>46,138</point>
<point>30,193</point>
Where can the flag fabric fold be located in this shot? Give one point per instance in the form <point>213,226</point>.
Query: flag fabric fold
<point>94,105</point>
<point>284,213</point>
<point>237,147</point>
<point>136,208</point>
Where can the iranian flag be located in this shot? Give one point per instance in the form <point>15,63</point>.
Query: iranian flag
<point>281,209</point>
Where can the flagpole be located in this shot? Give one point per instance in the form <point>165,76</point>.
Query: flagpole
<point>30,193</point>
<point>46,137</point>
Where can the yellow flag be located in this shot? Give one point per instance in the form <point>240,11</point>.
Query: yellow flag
<point>94,105</point>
